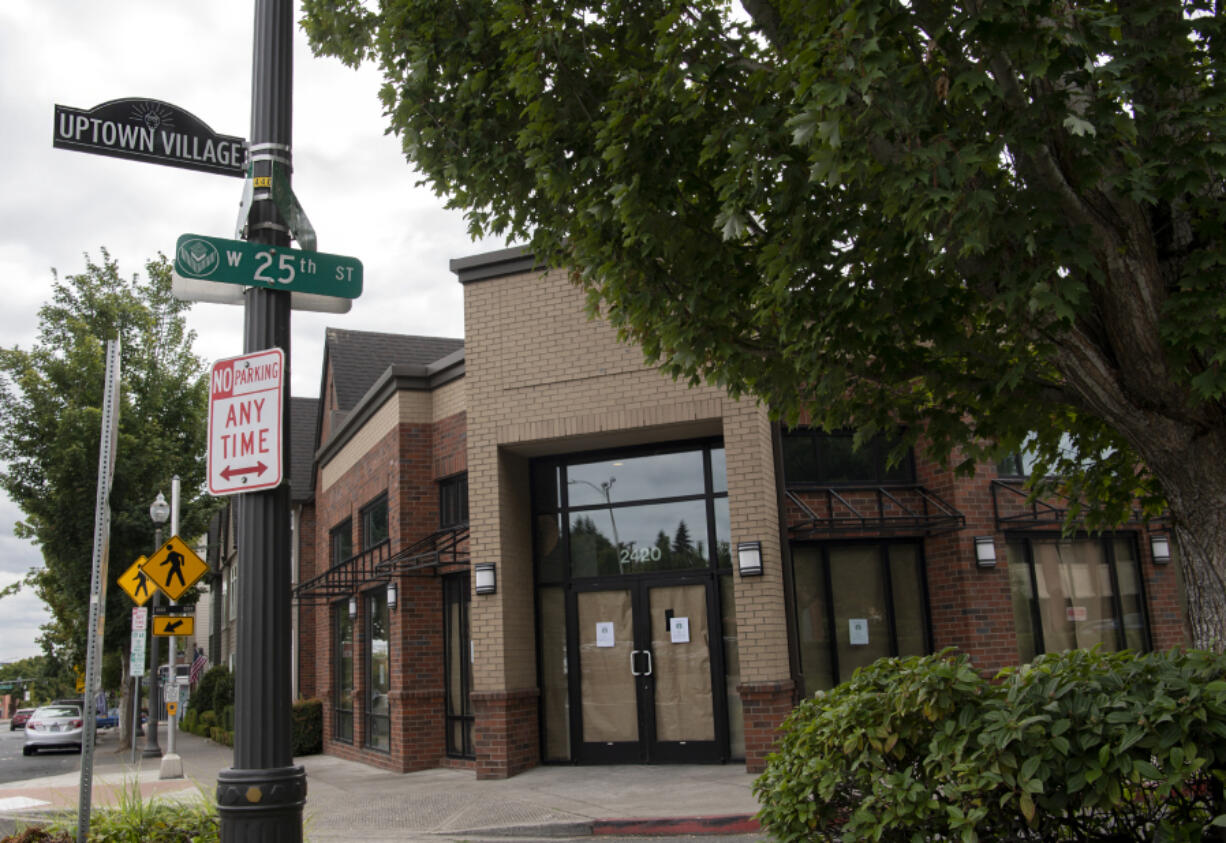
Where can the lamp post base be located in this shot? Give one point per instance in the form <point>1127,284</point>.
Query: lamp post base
<point>261,806</point>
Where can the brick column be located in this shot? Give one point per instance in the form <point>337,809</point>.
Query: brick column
<point>766,705</point>
<point>505,734</point>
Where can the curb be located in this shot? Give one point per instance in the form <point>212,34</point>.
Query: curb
<point>657,826</point>
<point>621,827</point>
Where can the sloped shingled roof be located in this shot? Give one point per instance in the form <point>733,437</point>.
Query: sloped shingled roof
<point>358,358</point>
<point>303,413</point>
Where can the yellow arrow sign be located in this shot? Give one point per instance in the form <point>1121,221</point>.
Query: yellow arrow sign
<point>175,568</point>
<point>136,584</point>
<point>173,625</point>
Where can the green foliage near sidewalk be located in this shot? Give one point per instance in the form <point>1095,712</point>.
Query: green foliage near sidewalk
<point>1080,746</point>
<point>134,819</point>
<point>308,734</point>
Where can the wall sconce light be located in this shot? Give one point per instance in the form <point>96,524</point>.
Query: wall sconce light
<point>1160,548</point>
<point>985,551</point>
<point>487,578</point>
<point>749,559</point>
<point>391,594</point>
<point>353,608</point>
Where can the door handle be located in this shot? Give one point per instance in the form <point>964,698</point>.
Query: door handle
<point>634,653</point>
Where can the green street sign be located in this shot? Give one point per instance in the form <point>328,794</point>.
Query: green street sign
<point>260,265</point>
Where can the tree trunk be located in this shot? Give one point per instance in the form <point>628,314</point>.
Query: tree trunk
<point>1192,472</point>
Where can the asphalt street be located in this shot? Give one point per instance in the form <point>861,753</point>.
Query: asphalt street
<point>15,767</point>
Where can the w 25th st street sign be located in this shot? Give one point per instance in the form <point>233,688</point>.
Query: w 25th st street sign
<point>260,265</point>
<point>245,398</point>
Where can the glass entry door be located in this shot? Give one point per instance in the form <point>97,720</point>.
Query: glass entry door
<point>644,684</point>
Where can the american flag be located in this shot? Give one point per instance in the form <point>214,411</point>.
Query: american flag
<point>198,667</point>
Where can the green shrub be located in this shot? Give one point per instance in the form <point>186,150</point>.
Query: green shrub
<point>208,719</point>
<point>202,698</point>
<point>308,727</point>
<point>223,691</point>
<point>188,723</point>
<point>227,718</point>
<point>1076,746</point>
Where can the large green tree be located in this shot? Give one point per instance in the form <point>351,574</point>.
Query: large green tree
<point>979,219</point>
<point>50,423</point>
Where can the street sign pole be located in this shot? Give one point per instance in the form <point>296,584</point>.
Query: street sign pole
<point>108,443</point>
<point>260,799</point>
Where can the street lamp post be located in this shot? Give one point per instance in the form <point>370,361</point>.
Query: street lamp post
<point>159,512</point>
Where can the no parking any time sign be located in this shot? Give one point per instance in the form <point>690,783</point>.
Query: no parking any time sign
<point>245,400</point>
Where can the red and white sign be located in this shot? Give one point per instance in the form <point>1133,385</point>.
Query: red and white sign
<point>245,399</point>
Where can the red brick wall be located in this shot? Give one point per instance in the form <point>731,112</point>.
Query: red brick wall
<point>971,608</point>
<point>406,463</point>
<point>506,734</point>
<point>766,705</point>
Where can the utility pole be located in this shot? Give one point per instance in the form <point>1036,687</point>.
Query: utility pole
<point>260,798</point>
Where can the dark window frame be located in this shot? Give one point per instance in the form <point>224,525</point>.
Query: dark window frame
<point>453,501</point>
<point>345,530</point>
<point>882,544</point>
<point>379,501</point>
<point>341,716</point>
<point>878,450</point>
<point>708,495</point>
<point>369,599</point>
<point>457,591</point>
<point>1107,543</point>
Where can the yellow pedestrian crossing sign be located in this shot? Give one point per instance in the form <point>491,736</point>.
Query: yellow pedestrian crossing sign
<point>174,568</point>
<point>173,625</point>
<point>136,583</point>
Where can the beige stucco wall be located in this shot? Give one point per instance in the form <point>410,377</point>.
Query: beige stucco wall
<point>542,378</point>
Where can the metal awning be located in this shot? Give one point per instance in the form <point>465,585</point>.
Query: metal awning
<point>1014,509</point>
<point>896,510</point>
<point>442,547</point>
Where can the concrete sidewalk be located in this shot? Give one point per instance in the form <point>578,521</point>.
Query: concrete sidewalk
<point>349,801</point>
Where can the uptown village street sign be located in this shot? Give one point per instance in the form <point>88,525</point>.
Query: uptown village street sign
<point>152,131</point>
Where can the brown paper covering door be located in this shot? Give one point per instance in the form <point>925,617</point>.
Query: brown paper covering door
<point>610,710</point>
<point>682,671</point>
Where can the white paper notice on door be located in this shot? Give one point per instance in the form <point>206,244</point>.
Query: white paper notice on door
<point>680,630</point>
<point>857,631</point>
<point>604,634</point>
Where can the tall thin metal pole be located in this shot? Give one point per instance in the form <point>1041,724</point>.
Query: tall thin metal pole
<point>108,443</point>
<point>261,797</point>
<point>152,748</point>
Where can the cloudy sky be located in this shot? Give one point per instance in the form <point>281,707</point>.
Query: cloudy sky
<point>57,205</point>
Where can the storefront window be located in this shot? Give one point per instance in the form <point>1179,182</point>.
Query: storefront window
<point>1076,594</point>
<point>856,603</point>
<point>343,710</point>
<point>456,643</point>
<point>378,672</point>
<point>340,542</point>
<point>812,457</point>
<point>634,514</point>
<point>374,522</point>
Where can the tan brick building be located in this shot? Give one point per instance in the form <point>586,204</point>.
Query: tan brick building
<point>592,563</point>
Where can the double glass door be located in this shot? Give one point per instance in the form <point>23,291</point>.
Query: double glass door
<point>645,678</point>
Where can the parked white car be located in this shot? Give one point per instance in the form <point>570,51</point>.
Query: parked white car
<point>53,727</point>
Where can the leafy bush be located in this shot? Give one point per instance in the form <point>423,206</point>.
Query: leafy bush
<point>202,698</point>
<point>308,727</point>
<point>1081,745</point>
<point>208,719</point>
<point>227,718</point>
<point>223,691</point>
<point>188,723</point>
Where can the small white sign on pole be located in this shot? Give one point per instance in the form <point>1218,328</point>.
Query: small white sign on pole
<point>245,425</point>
